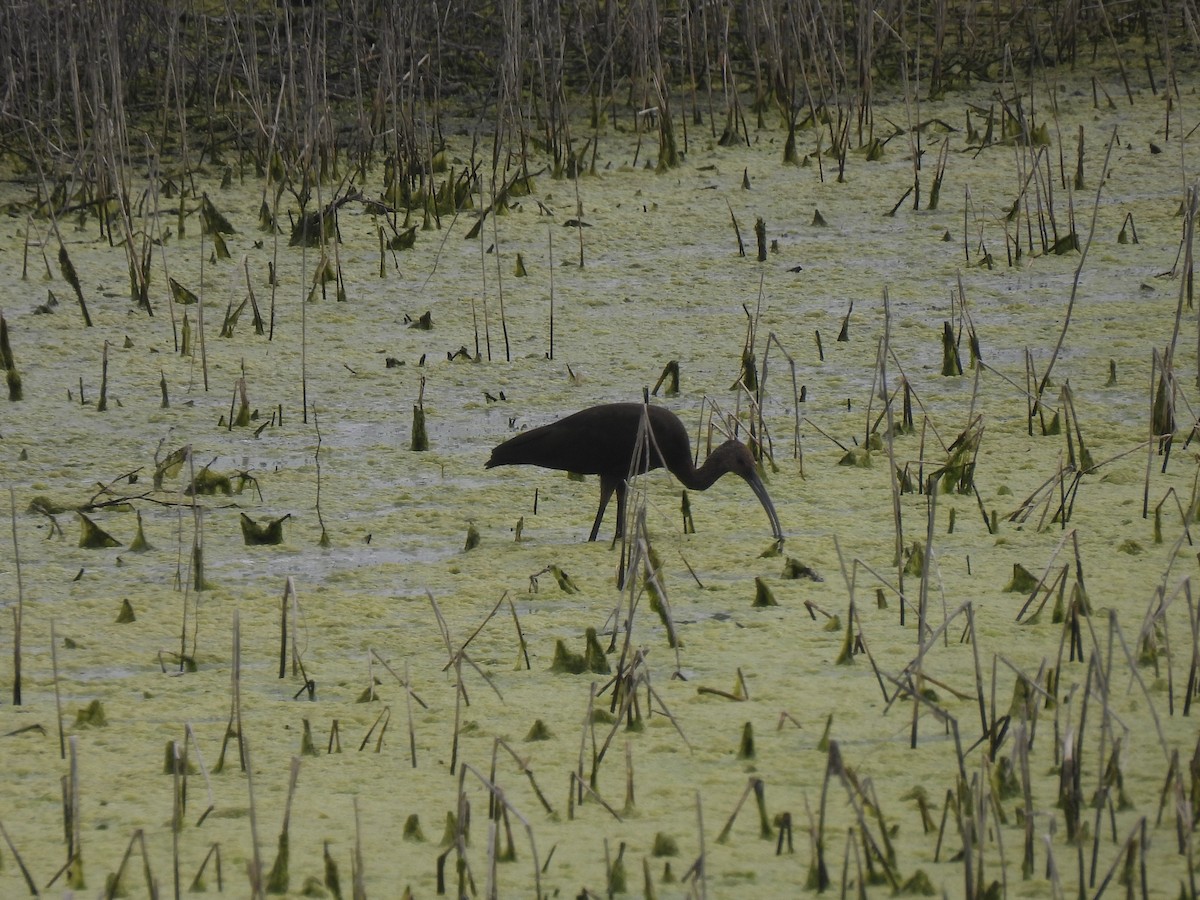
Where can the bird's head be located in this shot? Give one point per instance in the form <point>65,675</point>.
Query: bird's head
<point>735,457</point>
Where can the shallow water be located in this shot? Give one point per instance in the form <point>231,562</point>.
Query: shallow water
<point>660,280</point>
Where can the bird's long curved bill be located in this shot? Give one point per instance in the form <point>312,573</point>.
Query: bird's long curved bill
<point>760,491</point>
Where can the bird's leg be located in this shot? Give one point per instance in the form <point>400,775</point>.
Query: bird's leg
<point>607,487</point>
<point>621,486</point>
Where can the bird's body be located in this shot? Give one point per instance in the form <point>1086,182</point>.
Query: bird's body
<point>603,440</point>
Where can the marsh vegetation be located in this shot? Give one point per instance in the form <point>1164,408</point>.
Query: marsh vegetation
<point>276,278</point>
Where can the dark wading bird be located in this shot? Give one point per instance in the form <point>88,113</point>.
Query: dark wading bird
<point>603,440</point>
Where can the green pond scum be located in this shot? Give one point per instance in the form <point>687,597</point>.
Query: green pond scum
<point>968,670</point>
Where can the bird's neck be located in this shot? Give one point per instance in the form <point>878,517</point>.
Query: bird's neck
<point>702,479</point>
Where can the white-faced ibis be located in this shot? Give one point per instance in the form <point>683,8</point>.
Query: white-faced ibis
<point>602,440</point>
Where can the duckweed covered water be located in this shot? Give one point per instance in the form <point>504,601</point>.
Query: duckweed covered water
<point>660,280</point>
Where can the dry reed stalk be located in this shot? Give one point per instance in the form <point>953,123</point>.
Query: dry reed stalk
<point>459,696</point>
<point>701,864</point>
<point>623,711</point>
<point>29,882</point>
<point>500,280</point>
<point>578,783</point>
<point>897,512</point>
<point>574,797</point>
<point>303,324</point>
<point>1156,622</point>
<point>190,740</point>
<point>462,649</point>
<point>1042,382</point>
<point>197,881</point>
<point>797,395</point>
<point>73,824</point>
<point>156,222</point>
<point>1193,678</point>
<point>58,717</point>
<point>1131,661</point>
<point>988,727</point>
<point>550,265</point>
<point>498,796</point>
<point>948,804</point>
<point>178,805</point>
<point>1021,752</point>
<point>277,879</point>
<point>755,786</point>
<point>412,734</point>
<point>116,886</point>
<point>818,874</point>
<point>288,588</point>
<point>234,726</point>
<point>998,820</point>
<point>19,614</point>
<point>861,645</point>
<point>255,873</point>
<point>358,873</point>
<point>200,316</point>
<point>520,634</point>
<point>523,765</point>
